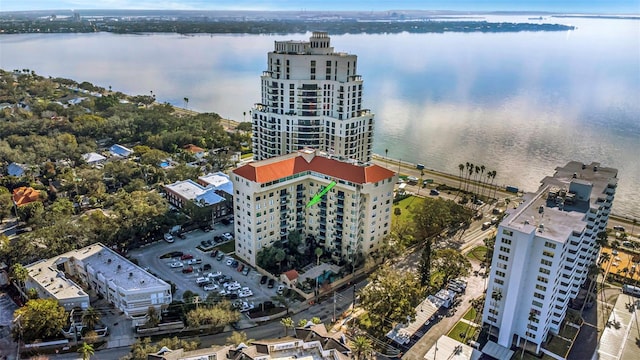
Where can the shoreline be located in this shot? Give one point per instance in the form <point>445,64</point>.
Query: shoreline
<point>501,188</point>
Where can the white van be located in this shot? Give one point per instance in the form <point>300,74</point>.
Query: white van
<point>631,290</point>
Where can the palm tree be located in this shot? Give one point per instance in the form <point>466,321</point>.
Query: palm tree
<point>532,317</point>
<point>476,179</point>
<point>287,323</point>
<point>461,168</point>
<point>19,274</point>
<point>91,318</point>
<point>493,178</point>
<point>318,251</point>
<point>362,347</point>
<point>482,168</point>
<point>86,350</point>
<point>186,103</point>
<point>466,187</point>
<point>496,296</point>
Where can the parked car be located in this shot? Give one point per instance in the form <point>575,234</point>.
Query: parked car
<point>210,287</point>
<point>229,261</point>
<point>194,261</point>
<point>218,239</point>
<point>186,257</point>
<point>271,283</point>
<point>263,279</point>
<point>220,256</point>
<point>214,275</point>
<point>214,253</point>
<point>202,280</point>
<point>168,238</point>
<point>240,268</point>
<point>206,267</point>
<point>233,286</point>
<point>486,225</point>
<point>206,243</point>
<point>176,264</point>
<point>225,221</point>
<point>455,288</point>
<point>227,236</point>
<point>280,289</point>
<point>494,220</point>
<point>188,269</point>
<point>619,228</point>
<point>245,293</point>
<point>434,192</point>
<point>246,270</point>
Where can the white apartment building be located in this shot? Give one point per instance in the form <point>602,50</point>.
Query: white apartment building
<point>311,97</point>
<point>272,199</point>
<point>543,251</point>
<point>67,278</point>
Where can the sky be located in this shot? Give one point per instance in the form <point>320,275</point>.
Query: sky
<point>567,6</point>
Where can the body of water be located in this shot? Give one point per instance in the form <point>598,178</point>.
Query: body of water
<point>518,103</point>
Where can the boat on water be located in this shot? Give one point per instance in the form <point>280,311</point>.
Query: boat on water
<point>536,18</point>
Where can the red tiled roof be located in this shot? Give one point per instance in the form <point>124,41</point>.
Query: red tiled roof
<point>192,148</point>
<point>24,195</point>
<point>273,169</point>
<point>291,274</point>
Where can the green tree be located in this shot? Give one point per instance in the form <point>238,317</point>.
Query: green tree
<point>19,274</point>
<point>217,316</point>
<point>91,318</point>
<point>391,297</point>
<point>318,251</point>
<point>237,338</point>
<point>302,322</point>
<point>153,317</point>
<point>316,320</point>
<point>86,350</point>
<point>282,300</point>
<point>451,264</point>
<point>287,323</point>
<point>424,268</point>
<point>362,347</point>
<point>39,319</point>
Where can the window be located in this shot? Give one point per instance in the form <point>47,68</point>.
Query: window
<point>545,271</point>
<point>506,241</point>
<point>546,262</point>
<point>538,295</point>
<point>503,257</point>
<point>502,266</point>
<point>543,279</point>
<point>536,303</point>
<point>500,273</point>
<point>505,249</point>
<point>549,244</point>
<point>507,232</point>
<point>499,282</point>
<point>541,288</point>
<point>548,253</point>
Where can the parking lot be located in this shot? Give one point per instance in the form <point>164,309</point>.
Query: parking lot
<point>149,257</point>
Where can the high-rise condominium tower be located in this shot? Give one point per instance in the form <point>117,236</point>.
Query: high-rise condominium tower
<point>543,252</point>
<point>311,97</point>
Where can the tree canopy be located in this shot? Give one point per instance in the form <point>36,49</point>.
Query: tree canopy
<point>39,319</point>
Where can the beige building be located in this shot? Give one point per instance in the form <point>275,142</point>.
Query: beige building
<point>311,97</point>
<point>272,199</point>
<point>67,277</point>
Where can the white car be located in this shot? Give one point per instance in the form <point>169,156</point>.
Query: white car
<point>214,275</point>
<point>168,238</point>
<point>243,294</point>
<point>176,264</point>
<point>229,261</point>
<point>194,261</point>
<point>227,236</point>
<point>210,287</point>
<point>202,280</point>
<point>246,306</point>
<point>232,286</point>
<point>280,289</point>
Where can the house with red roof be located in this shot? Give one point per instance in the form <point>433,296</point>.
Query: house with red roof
<point>25,195</point>
<point>345,205</point>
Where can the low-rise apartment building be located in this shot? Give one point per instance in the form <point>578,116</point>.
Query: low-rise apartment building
<point>543,251</point>
<point>273,198</point>
<point>181,193</point>
<point>68,278</point>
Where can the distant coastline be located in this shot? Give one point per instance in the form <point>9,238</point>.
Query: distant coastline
<point>198,25</point>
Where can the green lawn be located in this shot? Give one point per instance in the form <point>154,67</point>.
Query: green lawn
<point>558,346</point>
<point>461,332</point>
<point>405,206</point>
<point>227,247</point>
<point>478,253</point>
<point>470,315</point>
